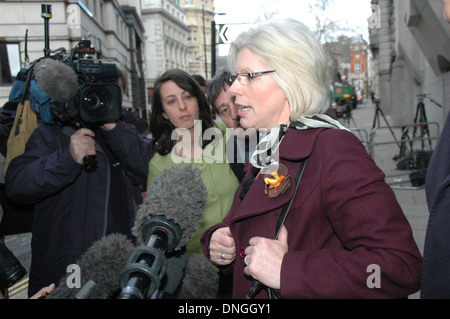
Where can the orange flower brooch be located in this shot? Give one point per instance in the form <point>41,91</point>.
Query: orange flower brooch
<point>278,182</point>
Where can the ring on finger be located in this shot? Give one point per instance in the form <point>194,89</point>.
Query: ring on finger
<point>246,261</point>
<point>222,257</point>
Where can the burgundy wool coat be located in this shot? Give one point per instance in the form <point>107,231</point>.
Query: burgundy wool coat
<point>345,226</point>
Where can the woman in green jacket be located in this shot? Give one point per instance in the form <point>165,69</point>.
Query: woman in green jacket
<point>185,133</point>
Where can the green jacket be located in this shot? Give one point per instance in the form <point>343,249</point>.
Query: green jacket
<point>218,177</point>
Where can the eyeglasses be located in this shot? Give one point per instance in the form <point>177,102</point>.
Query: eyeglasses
<point>245,78</point>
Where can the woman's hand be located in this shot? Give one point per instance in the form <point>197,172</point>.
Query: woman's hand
<point>222,248</point>
<point>264,257</point>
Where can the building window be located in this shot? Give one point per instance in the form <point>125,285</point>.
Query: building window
<point>357,67</point>
<point>9,61</point>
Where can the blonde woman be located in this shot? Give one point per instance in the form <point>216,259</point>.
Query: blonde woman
<point>344,224</point>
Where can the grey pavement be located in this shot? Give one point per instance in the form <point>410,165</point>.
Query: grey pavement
<point>412,200</point>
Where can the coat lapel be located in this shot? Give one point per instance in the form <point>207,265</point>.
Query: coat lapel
<point>296,145</point>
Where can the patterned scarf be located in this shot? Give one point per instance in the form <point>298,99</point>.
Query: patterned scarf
<point>266,154</point>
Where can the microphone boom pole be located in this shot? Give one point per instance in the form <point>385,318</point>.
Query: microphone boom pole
<point>46,13</point>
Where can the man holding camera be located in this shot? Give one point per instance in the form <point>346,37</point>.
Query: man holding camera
<point>83,172</point>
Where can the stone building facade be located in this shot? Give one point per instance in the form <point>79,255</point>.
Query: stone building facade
<point>113,27</point>
<point>411,50</point>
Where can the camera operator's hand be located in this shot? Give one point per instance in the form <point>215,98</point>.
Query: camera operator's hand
<point>43,292</point>
<point>82,143</point>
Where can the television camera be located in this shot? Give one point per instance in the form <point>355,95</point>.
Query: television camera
<point>99,97</point>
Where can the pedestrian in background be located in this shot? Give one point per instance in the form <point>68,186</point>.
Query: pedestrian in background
<point>201,81</point>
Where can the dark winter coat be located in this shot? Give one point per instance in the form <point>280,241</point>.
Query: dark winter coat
<point>73,208</point>
<point>343,220</point>
<point>436,253</point>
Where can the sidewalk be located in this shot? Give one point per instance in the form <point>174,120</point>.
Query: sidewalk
<point>412,201</point>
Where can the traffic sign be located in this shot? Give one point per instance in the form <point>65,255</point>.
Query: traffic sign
<point>229,32</point>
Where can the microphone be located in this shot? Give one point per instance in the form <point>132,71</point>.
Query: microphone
<point>145,268</point>
<point>256,289</point>
<point>166,220</point>
<point>100,267</point>
<point>194,285</point>
<point>57,79</point>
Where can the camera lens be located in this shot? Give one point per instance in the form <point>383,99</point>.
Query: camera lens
<point>10,268</point>
<point>96,101</point>
<point>99,102</point>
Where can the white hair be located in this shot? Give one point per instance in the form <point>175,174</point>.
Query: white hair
<point>300,61</point>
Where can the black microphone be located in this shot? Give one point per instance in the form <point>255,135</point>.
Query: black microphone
<point>165,221</point>
<point>256,289</point>
<point>146,267</point>
<point>100,267</point>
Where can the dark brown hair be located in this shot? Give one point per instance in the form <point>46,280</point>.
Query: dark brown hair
<point>160,127</point>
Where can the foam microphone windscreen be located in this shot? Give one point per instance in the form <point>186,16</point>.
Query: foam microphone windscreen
<point>200,281</point>
<point>57,79</point>
<point>180,195</point>
<point>100,269</point>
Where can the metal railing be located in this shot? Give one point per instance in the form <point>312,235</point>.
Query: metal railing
<point>406,143</point>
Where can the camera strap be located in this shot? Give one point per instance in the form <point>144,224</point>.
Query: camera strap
<point>275,293</point>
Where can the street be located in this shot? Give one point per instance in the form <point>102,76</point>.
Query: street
<point>412,200</point>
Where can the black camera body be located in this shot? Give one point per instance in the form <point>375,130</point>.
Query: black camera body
<point>11,271</point>
<point>99,98</point>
